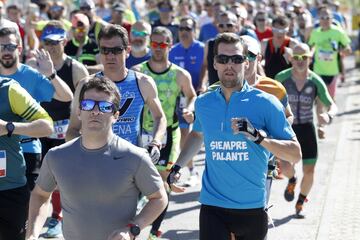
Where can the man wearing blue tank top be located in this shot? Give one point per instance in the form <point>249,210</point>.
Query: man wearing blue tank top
<point>240,126</point>
<point>136,89</point>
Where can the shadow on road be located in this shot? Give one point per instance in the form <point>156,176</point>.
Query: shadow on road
<point>182,234</point>
<point>185,197</point>
<point>278,222</point>
<point>173,213</point>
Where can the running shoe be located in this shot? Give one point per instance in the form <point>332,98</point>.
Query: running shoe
<point>54,229</point>
<point>298,208</point>
<point>193,180</point>
<point>289,193</point>
<point>154,236</point>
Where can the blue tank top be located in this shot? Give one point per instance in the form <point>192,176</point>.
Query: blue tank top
<point>132,103</point>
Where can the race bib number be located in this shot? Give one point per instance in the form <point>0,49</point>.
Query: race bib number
<point>60,128</point>
<point>147,138</point>
<point>327,56</point>
<point>2,163</point>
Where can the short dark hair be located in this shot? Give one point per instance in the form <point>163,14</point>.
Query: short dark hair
<point>6,31</point>
<point>281,20</point>
<point>163,31</point>
<point>102,84</point>
<point>186,18</point>
<point>228,38</point>
<point>14,7</point>
<point>114,30</point>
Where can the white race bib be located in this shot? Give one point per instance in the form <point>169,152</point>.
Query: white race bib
<point>2,163</point>
<point>60,128</point>
<point>147,138</point>
<point>326,55</point>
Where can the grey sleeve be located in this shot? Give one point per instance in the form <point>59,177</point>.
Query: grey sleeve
<point>147,178</point>
<point>46,179</point>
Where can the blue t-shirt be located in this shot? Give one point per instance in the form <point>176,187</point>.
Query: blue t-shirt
<point>132,61</point>
<point>207,32</point>
<point>235,167</point>
<point>190,59</point>
<point>40,88</point>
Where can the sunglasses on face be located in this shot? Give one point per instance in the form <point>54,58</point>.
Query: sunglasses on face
<point>162,45</point>
<point>113,50</point>
<point>224,59</point>
<point>325,18</point>
<point>251,57</point>
<point>226,25</point>
<point>79,29</point>
<point>85,8</point>
<point>139,33</point>
<point>56,8</point>
<point>8,47</point>
<point>104,106</point>
<point>49,42</point>
<point>302,57</point>
<point>165,9</point>
<point>260,20</point>
<point>280,30</point>
<point>188,29</point>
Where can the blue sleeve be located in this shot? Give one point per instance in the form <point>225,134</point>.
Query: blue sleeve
<point>201,35</point>
<point>197,124</point>
<point>276,124</point>
<point>45,90</point>
<point>284,101</point>
<point>252,34</point>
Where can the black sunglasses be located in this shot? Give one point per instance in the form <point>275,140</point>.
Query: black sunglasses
<point>226,25</point>
<point>224,59</point>
<point>8,47</point>
<point>50,42</point>
<point>113,50</point>
<point>188,29</point>
<point>104,106</point>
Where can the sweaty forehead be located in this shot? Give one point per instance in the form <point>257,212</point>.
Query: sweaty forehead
<point>230,49</point>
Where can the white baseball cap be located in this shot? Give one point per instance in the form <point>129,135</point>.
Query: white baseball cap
<point>252,44</point>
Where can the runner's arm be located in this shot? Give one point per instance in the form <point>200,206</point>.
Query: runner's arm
<point>289,150</point>
<point>79,72</point>
<point>203,81</point>
<point>38,211</point>
<point>192,146</point>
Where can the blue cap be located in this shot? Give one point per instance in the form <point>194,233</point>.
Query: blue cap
<point>53,33</point>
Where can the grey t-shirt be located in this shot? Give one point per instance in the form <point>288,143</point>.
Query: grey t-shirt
<point>99,188</point>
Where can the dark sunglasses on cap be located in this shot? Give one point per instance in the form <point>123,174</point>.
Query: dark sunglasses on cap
<point>113,50</point>
<point>162,45</point>
<point>104,106</point>
<point>226,25</point>
<point>139,33</point>
<point>85,8</point>
<point>188,29</point>
<point>8,47</point>
<point>49,42</point>
<point>224,59</point>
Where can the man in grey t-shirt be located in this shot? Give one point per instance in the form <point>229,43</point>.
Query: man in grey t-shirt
<point>99,176</point>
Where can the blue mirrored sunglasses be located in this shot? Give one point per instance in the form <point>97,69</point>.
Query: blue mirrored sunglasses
<point>104,106</point>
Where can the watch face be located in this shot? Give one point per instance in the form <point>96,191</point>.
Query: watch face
<point>135,230</point>
<point>10,126</point>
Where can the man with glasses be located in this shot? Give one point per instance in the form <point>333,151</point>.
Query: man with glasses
<point>71,72</point>
<point>304,88</point>
<point>188,54</point>
<point>99,175</point>
<point>237,147</point>
<point>227,22</point>
<point>81,47</point>
<point>139,41</point>
<point>19,114</point>
<point>276,49</point>
<point>327,41</point>
<point>117,16</point>
<point>137,90</point>
<point>170,80</point>
<point>42,83</point>
<point>261,22</point>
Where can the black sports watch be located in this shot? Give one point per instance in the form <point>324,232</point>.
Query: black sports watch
<point>52,76</point>
<point>10,127</point>
<point>134,229</point>
<point>261,135</point>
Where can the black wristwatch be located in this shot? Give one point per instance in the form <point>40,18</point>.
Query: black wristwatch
<point>10,127</point>
<point>52,76</point>
<point>261,135</point>
<point>134,229</point>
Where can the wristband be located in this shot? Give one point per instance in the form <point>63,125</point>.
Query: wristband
<point>52,76</point>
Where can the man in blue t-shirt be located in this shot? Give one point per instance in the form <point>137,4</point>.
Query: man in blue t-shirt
<point>42,84</point>
<point>188,54</point>
<point>239,126</point>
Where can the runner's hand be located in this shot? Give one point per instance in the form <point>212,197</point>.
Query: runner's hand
<point>188,115</point>
<point>244,126</point>
<point>44,63</point>
<point>174,175</point>
<point>154,153</point>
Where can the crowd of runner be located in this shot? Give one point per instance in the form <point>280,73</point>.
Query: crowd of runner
<point>147,83</point>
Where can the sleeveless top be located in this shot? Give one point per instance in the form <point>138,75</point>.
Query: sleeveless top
<point>128,125</point>
<point>168,91</point>
<point>274,60</point>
